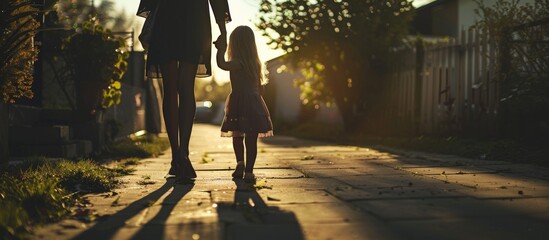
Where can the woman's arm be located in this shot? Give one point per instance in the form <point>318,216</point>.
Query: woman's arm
<point>222,14</point>
<point>221,11</point>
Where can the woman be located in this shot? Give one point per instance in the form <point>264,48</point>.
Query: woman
<point>179,51</point>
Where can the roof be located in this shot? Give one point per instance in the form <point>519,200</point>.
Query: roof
<point>434,4</point>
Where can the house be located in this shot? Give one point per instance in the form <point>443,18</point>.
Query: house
<point>448,17</point>
<point>283,97</point>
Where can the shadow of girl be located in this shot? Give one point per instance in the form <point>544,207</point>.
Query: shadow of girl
<point>249,217</point>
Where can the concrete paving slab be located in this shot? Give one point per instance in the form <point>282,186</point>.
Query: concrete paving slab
<point>325,212</point>
<point>354,194</point>
<point>304,183</point>
<point>365,229</point>
<point>490,180</point>
<point>522,170</point>
<point>266,232</point>
<point>441,208</point>
<point>478,228</point>
<point>505,192</point>
<point>459,170</point>
<point>392,181</point>
<point>330,172</point>
<point>272,197</point>
<point>262,172</point>
<point>168,232</point>
<point>295,196</point>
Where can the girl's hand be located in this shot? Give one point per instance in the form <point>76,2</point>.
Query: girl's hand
<point>221,42</point>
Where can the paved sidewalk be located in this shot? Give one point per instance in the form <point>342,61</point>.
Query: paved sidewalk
<point>313,190</point>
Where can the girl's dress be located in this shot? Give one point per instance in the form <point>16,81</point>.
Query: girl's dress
<point>245,109</point>
<point>182,32</point>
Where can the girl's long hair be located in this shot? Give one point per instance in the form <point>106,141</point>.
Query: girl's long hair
<point>242,47</point>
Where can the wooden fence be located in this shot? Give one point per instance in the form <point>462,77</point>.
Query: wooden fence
<point>445,87</point>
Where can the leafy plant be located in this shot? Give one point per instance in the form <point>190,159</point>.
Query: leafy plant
<point>97,57</point>
<point>17,49</point>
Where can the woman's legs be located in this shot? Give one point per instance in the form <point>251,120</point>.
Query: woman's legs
<point>251,151</point>
<point>187,110</point>
<point>169,108</point>
<point>179,107</point>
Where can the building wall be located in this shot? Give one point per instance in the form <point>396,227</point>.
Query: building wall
<point>287,100</point>
<point>444,18</point>
<point>467,16</point>
<point>448,17</point>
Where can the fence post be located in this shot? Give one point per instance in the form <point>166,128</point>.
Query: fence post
<point>420,58</point>
<point>504,86</point>
<point>4,128</point>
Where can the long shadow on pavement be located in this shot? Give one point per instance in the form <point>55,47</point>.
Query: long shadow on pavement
<point>109,227</point>
<point>249,217</point>
<point>155,227</point>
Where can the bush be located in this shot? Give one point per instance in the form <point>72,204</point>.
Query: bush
<point>139,147</point>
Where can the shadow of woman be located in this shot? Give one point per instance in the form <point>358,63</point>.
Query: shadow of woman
<point>108,228</point>
<point>155,227</point>
<point>249,217</point>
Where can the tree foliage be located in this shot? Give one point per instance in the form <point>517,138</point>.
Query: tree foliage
<point>75,12</point>
<point>17,49</point>
<point>339,45</point>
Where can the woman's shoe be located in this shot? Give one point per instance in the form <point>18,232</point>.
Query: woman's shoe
<point>239,170</point>
<point>249,178</point>
<point>184,180</point>
<point>173,167</point>
<point>187,168</point>
<point>182,168</point>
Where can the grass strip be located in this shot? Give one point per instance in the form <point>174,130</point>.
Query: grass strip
<point>41,190</point>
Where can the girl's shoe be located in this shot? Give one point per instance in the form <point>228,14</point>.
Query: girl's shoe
<point>249,178</point>
<point>239,170</point>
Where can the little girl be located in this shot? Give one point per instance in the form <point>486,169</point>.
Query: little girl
<point>246,115</point>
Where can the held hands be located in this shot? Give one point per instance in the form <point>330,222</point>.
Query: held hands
<point>221,42</point>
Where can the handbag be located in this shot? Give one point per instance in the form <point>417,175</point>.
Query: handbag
<point>146,33</point>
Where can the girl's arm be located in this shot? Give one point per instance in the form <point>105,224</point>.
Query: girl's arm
<point>221,46</point>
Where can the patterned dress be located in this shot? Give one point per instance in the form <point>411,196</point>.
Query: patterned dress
<point>245,109</point>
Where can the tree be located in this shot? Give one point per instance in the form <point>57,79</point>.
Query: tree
<point>17,49</point>
<point>73,12</point>
<point>342,47</point>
